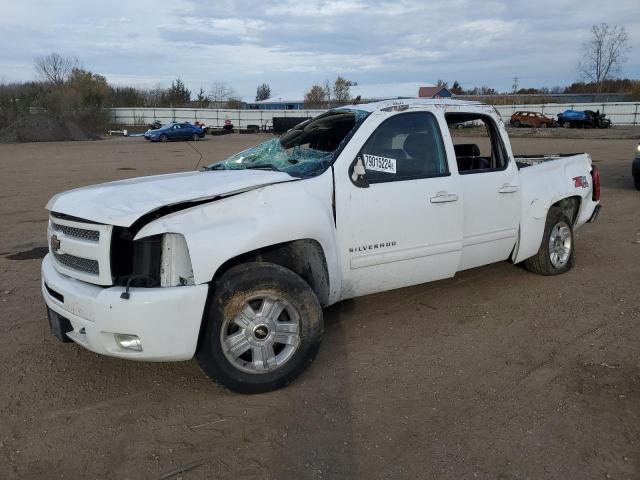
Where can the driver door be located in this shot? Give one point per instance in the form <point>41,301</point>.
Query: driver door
<point>175,131</point>
<point>401,223</point>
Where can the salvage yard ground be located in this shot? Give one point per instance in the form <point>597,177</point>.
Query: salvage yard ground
<point>496,374</point>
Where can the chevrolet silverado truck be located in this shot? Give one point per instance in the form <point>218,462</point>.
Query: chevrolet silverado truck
<point>233,264</point>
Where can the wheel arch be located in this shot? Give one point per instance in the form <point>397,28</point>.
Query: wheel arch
<point>570,206</point>
<point>304,257</point>
<point>532,230</point>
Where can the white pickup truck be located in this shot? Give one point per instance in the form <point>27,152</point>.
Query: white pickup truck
<point>233,264</point>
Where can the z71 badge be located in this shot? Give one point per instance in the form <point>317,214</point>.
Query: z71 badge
<point>580,182</point>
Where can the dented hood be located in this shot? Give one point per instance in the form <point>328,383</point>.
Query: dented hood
<point>123,202</point>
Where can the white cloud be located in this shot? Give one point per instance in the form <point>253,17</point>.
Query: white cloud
<point>293,44</point>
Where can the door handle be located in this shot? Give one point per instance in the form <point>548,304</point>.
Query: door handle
<point>508,189</point>
<point>444,197</point>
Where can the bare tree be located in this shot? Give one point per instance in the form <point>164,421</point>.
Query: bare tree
<point>328,93</point>
<point>55,68</point>
<point>604,53</point>
<point>220,93</point>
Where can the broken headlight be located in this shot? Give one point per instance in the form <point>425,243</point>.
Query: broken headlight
<point>175,262</point>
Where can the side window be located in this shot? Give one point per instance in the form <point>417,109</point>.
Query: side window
<point>407,146</point>
<point>485,151</point>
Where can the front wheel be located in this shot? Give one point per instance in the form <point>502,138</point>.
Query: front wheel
<point>263,328</point>
<point>164,138</point>
<point>556,253</point>
<point>517,124</point>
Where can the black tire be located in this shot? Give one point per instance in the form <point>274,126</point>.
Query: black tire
<point>541,263</point>
<point>517,124</point>
<point>164,138</point>
<point>232,293</point>
<point>195,137</point>
<point>636,182</point>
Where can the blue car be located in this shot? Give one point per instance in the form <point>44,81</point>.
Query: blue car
<point>175,131</point>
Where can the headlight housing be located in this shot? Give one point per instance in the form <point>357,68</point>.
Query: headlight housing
<point>158,260</point>
<point>175,262</point>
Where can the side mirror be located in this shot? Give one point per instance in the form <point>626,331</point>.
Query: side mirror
<point>358,174</point>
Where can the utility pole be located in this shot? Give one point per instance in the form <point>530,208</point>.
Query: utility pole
<point>514,87</point>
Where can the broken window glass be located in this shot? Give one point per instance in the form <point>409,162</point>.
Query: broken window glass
<point>306,150</point>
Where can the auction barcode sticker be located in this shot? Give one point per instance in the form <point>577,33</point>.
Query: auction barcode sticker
<point>380,164</point>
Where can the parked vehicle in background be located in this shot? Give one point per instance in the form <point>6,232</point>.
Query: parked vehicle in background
<point>635,168</point>
<point>461,125</point>
<point>175,131</point>
<point>583,119</point>
<point>155,125</point>
<point>531,119</point>
<point>233,264</point>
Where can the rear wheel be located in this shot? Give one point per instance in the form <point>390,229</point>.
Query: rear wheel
<point>263,328</point>
<point>556,253</point>
<point>543,125</point>
<point>195,137</point>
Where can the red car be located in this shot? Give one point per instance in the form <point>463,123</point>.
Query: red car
<point>531,119</point>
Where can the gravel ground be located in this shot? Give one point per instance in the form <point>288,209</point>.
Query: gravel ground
<point>494,374</point>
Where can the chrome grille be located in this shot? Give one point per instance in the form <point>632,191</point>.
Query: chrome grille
<point>79,233</point>
<point>85,265</point>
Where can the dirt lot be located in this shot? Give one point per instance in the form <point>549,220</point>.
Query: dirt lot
<point>496,373</point>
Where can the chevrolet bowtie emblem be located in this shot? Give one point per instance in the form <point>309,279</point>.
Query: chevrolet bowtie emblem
<point>55,243</point>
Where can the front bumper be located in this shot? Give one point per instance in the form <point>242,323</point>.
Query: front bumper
<point>166,320</point>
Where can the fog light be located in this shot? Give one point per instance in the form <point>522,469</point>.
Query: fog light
<point>128,342</point>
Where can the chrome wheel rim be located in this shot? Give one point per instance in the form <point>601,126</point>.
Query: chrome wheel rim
<point>560,244</point>
<point>263,336</point>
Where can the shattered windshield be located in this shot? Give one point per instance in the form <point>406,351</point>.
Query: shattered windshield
<point>306,150</point>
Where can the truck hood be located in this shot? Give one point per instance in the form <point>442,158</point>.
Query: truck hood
<point>122,202</point>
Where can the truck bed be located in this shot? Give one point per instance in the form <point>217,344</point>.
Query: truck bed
<point>523,161</point>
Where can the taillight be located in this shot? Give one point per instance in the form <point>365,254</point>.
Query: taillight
<point>595,176</point>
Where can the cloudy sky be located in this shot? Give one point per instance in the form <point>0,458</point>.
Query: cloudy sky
<point>292,44</point>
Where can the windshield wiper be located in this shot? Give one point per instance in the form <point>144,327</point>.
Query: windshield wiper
<point>215,166</point>
<point>263,166</point>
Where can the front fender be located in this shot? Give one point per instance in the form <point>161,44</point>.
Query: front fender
<point>226,228</point>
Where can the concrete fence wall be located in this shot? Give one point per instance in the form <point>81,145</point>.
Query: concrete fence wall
<point>211,117</point>
<point>620,113</point>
